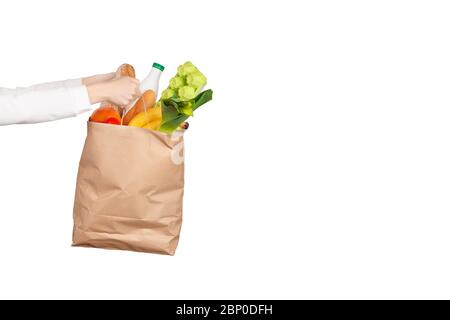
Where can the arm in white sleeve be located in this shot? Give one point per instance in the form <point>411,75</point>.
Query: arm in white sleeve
<point>43,102</point>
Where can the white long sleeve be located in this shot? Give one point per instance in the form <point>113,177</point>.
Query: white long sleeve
<point>43,102</point>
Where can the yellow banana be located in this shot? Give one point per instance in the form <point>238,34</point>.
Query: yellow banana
<point>154,125</point>
<point>150,119</point>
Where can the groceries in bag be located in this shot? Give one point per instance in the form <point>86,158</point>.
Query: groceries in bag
<point>177,102</point>
<point>140,207</point>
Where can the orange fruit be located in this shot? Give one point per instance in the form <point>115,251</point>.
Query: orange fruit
<point>106,114</point>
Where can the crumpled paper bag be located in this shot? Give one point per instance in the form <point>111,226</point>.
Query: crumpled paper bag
<point>129,191</point>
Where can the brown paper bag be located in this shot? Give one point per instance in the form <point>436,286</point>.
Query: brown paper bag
<point>129,192</point>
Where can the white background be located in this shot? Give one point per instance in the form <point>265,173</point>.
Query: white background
<point>320,170</point>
